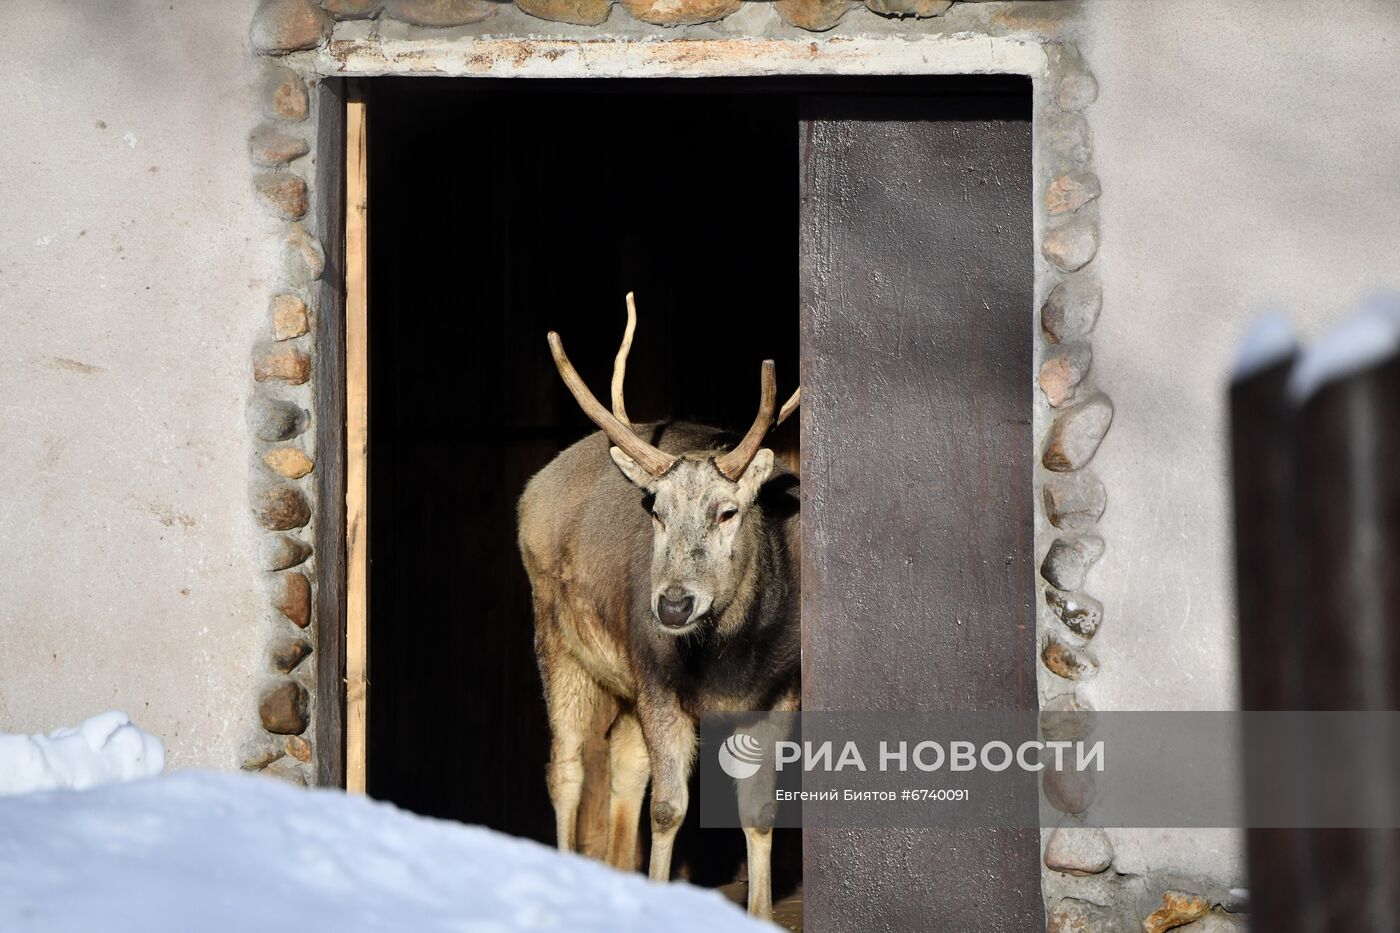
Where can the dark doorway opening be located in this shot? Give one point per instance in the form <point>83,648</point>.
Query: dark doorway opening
<point>500,210</point>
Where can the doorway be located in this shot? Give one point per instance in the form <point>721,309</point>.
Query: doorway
<point>504,209</point>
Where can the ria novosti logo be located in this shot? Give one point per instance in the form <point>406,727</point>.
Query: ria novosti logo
<point>740,756</point>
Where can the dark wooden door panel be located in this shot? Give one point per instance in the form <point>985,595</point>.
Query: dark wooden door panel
<point>918,573</point>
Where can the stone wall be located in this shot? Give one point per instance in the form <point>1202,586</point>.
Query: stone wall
<point>302,43</point>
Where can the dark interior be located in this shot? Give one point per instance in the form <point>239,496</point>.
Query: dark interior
<point>500,210</point>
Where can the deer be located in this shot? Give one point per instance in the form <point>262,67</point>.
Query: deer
<point>664,566</point>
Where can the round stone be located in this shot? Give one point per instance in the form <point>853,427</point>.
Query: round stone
<point>1070,192</point>
<point>578,12</point>
<point>1069,559</point>
<point>1076,90</point>
<point>306,260</point>
<point>293,598</point>
<point>1071,310</point>
<point>285,95</point>
<point>1072,915</point>
<point>1077,612</point>
<point>283,708</point>
<point>268,145</point>
<point>681,12</point>
<point>1067,718</point>
<point>1071,246</point>
<point>282,26</point>
<point>1073,501</point>
<point>282,552</point>
<point>280,508</point>
<point>1068,791</point>
<point>298,748</point>
<point>282,364</point>
<point>1063,371</point>
<point>288,462</point>
<point>812,15</point>
<point>288,653</point>
<point>1076,435</point>
<point>290,317</point>
<point>277,420</point>
<point>1078,850</point>
<point>1068,661</point>
<point>284,192</point>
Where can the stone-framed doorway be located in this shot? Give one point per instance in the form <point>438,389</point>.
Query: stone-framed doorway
<point>297,421</point>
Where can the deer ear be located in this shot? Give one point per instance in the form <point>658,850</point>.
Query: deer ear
<point>632,470</point>
<point>759,469</point>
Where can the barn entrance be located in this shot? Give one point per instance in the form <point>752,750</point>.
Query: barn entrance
<point>500,210</point>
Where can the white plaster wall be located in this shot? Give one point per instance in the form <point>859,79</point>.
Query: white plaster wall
<point>1248,153</point>
<point>133,260</point>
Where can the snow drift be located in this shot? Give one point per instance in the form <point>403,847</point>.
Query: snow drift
<point>105,748</point>
<point>232,852</point>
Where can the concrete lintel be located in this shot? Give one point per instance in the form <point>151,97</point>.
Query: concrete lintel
<point>487,56</point>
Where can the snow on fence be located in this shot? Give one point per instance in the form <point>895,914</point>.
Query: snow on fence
<point>1315,450</point>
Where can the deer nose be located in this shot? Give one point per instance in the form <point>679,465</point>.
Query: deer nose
<point>674,607</point>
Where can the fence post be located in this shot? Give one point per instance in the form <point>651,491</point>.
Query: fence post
<point>1348,502</point>
<point>1261,431</point>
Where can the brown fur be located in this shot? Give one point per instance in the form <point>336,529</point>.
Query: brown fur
<point>587,542</point>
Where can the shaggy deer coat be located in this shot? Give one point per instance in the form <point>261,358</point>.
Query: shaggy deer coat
<point>665,574</point>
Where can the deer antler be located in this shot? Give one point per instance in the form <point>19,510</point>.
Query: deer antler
<point>789,406</point>
<point>620,363</point>
<point>735,462</point>
<point>652,459</point>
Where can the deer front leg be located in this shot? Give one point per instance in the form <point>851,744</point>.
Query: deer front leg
<point>670,739</point>
<point>757,810</point>
<point>758,806</point>
<point>760,850</point>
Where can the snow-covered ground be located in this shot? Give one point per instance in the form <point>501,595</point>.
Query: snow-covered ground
<point>194,851</point>
<point>105,748</point>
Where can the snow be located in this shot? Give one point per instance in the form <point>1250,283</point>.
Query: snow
<point>1268,342</point>
<point>234,852</point>
<point>1364,340</point>
<point>105,748</point>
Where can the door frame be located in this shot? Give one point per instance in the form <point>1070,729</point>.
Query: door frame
<point>1065,243</point>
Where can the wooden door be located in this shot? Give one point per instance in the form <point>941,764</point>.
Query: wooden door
<point>918,565</point>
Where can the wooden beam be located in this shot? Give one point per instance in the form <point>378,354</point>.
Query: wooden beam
<point>329,536</point>
<point>356,448</point>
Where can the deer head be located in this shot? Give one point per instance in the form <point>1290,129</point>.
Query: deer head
<point>699,500</point>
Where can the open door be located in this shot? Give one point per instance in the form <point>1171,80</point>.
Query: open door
<point>918,563</point>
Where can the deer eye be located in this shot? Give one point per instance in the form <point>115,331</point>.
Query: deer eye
<point>728,512</point>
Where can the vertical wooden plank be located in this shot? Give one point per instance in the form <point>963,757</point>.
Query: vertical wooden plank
<point>329,540</point>
<point>1347,495</point>
<point>1270,624</point>
<point>918,573</point>
<point>356,448</point>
